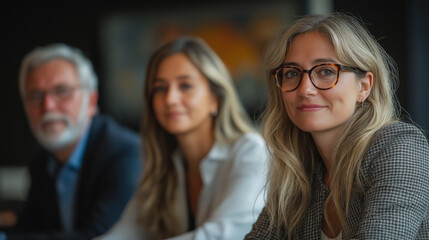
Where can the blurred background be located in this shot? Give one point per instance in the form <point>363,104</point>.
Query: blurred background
<point>119,39</point>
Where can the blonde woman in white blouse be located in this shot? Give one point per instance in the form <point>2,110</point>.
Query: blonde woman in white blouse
<point>205,164</point>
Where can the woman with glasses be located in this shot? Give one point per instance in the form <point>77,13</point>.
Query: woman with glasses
<point>205,164</point>
<point>343,165</point>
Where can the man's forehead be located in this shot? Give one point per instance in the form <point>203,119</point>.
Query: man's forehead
<point>53,72</point>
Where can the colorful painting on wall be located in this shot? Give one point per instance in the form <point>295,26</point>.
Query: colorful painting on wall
<point>238,34</point>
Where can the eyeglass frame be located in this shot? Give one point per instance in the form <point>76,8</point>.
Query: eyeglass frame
<point>53,92</point>
<point>339,67</point>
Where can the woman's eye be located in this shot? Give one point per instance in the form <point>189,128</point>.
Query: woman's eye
<point>327,72</point>
<point>185,86</point>
<point>291,74</point>
<point>158,89</point>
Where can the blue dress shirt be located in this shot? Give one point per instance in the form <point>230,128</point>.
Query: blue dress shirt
<point>66,180</point>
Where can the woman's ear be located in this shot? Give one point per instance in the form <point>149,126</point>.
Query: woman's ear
<point>214,105</point>
<point>365,86</point>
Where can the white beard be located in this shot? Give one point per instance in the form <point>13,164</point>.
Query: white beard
<point>54,141</point>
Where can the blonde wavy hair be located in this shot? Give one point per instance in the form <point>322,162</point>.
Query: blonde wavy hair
<point>157,188</point>
<point>293,151</point>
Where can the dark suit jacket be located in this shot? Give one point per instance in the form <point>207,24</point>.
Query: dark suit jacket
<point>395,203</point>
<point>109,175</point>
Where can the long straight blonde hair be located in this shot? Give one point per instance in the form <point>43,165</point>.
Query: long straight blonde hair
<point>293,151</point>
<point>157,189</point>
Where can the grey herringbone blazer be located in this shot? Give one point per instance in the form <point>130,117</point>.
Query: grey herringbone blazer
<point>395,203</point>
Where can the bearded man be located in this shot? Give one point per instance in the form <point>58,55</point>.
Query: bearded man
<point>88,166</point>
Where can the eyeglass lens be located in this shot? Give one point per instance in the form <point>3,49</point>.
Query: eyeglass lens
<point>60,92</point>
<point>322,76</point>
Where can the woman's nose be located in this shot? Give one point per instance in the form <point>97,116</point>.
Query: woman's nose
<point>306,88</point>
<point>173,95</point>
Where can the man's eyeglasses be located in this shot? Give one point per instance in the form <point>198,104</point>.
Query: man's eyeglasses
<point>323,76</point>
<point>59,93</point>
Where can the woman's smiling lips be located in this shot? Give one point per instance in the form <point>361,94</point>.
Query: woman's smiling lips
<point>310,107</point>
<point>173,114</point>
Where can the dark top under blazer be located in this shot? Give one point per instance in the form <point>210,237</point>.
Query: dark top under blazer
<point>109,175</point>
<point>395,203</point>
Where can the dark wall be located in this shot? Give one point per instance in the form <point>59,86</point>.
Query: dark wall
<point>402,29</point>
<point>418,61</point>
<point>25,28</point>
<point>388,24</point>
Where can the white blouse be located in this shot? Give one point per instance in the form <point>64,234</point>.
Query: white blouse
<point>230,201</point>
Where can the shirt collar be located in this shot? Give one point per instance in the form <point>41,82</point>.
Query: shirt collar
<point>218,152</point>
<point>75,160</point>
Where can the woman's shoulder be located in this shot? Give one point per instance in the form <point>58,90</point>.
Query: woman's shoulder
<point>250,137</point>
<point>248,147</point>
<point>400,127</point>
<point>249,140</point>
<point>398,140</point>
<point>399,132</point>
